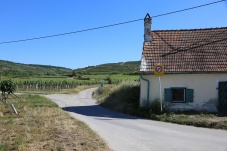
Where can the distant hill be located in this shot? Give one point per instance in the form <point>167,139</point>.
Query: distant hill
<point>131,67</point>
<point>8,68</point>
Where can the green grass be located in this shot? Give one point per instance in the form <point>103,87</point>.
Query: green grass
<point>42,125</point>
<point>198,119</point>
<point>125,98</point>
<point>3,147</point>
<point>35,101</point>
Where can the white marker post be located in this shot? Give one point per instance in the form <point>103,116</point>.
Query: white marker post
<point>160,91</point>
<point>14,109</point>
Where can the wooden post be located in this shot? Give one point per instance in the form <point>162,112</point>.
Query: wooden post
<point>14,109</point>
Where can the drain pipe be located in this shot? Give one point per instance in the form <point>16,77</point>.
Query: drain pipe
<point>148,88</point>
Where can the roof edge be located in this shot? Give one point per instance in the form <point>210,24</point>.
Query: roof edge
<point>189,29</point>
<point>198,72</point>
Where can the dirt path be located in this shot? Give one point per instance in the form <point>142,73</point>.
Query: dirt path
<point>124,133</point>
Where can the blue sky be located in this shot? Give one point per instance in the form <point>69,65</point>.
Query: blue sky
<point>36,18</point>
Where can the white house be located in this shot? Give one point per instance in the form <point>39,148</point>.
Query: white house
<point>195,68</point>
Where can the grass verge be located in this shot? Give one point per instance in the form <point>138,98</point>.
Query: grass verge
<point>124,98</point>
<point>41,125</point>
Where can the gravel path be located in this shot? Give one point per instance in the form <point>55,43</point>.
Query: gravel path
<point>127,133</point>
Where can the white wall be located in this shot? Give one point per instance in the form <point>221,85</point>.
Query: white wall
<point>204,85</point>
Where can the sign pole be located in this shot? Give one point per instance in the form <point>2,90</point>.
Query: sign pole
<point>159,71</point>
<point>160,91</point>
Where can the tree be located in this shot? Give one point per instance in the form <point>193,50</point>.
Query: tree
<point>7,87</point>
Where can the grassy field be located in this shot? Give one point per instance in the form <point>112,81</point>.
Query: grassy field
<point>125,98</point>
<point>42,126</point>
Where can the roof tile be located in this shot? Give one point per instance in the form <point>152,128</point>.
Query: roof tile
<point>198,50</point>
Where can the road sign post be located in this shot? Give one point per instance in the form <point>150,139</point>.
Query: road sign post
<point>159,71</point>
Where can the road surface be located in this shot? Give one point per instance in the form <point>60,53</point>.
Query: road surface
<point>127,133</point>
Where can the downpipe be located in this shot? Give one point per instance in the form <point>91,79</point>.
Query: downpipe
<point>148,88</point>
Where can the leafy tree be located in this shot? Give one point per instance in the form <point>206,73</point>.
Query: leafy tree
<point>109,80</point>
<point>7,87</point>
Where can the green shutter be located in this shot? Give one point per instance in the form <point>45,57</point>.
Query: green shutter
<point>167,95</point>
<point>189,95</point>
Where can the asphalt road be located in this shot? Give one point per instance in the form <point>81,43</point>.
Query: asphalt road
<point>127,133</point>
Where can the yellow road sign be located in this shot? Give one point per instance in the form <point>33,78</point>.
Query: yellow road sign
<point>159,70</point>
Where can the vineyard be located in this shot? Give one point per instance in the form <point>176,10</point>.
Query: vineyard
<point>51,84</point>
<point>28,77</point>
<point>57,84</point>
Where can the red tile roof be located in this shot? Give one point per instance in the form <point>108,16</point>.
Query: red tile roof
<point>198,50</point>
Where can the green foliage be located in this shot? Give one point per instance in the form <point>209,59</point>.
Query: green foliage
<point>124,97</point>
<point>3,147</point>
<point>109,80</point>
<point>127,68</point>
<point>83,78</point>
<point>59,148</point>
<point>12,69</point>
<point>7,86</point>
<point>156,107</point>
<point>58,84</point>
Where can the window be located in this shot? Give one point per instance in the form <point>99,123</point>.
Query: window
<point>178,95</point>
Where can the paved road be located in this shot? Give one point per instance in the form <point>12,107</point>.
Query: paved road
<point>126,133</point>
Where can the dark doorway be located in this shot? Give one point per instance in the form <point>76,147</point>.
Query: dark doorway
<point>222,94</point>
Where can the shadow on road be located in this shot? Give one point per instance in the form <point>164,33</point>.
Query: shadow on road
<point>97,111</point>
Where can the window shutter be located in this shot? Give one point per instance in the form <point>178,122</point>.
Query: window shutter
<point>189,95</point>
<point>167,95</point>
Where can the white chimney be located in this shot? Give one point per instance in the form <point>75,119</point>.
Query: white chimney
<point>147,28</point>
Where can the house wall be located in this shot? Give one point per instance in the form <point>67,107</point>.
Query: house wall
<point>204,86</point>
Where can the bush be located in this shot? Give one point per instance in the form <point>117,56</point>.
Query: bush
<point>7,86</point>
<point>109,80</point>
<point>124,97</point>
<point>156,107</point>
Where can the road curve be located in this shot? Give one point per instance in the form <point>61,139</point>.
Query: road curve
<point>127,133</point>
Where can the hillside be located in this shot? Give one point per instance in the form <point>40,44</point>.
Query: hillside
<point>131,67</point>
<point>8,68</point>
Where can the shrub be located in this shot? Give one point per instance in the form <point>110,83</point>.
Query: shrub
<point>7,87</point>
<point>156,107</point>
<point>109,80</point>
<point>124,97</point>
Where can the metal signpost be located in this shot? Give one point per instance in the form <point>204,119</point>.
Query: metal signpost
<point>159,71</point>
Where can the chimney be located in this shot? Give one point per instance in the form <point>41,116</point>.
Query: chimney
<point>147,28</point>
